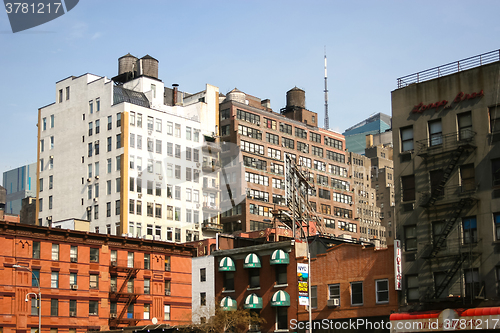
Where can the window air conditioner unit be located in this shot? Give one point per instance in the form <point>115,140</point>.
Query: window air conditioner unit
<point>333,302</point>
<point>95,199</point>
<point>49,218</point>
<point>150,132</point>
<point>139,195</point>
<point>197,205</point>
<point>139,173</point>
<point>198,164</point>
<point>113,315</point>
<point>51,156</point>
<point>167,292</point>
<point>72,313</point>
<point>89,179</point>
<point>89,208</point>
<point>73,259</point>
<point>130,235</point>
<point>160,177</point>
<point>196,226</point>
<point>258,123</point>
<point>114,263</point>
<point>74,287</point>
<point>96,177</point>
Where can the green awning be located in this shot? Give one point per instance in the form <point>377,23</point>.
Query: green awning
<point>251,261</point>
<point>226,265</point>
<point>279,257</point>
<point>280,298</point>
<point>228,304</point>
<point>253,301</point>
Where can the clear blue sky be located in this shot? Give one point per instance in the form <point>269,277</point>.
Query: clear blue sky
<point>263,48</point>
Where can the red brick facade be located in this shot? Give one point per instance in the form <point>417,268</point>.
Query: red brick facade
<point>86,271</point>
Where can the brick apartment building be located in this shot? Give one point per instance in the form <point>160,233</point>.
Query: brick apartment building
<point>90,281</point>
<point>350,281</point>
<point>265,137</point>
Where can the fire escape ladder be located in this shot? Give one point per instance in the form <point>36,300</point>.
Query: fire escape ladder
<point>446,175</point>
<point>449,275</point>
<point>131,297</point>
<point>458,209</point>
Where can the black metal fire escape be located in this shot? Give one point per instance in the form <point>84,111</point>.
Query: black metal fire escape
<point>457,144</point>
<point>123,294</point>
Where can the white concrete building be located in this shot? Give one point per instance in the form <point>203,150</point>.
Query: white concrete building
<point>128,155</point>
<point>203,284</point>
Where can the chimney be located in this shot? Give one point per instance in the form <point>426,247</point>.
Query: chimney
<point>175,85</point>
<point>266,103</point>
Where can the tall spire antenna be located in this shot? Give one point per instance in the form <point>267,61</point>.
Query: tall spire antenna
<point>327,121</point>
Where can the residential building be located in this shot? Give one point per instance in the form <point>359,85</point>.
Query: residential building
<point>368,213</point>
<point>446,164</point>
<point>376,124</point>
<point>382,180</point>
<point>89,281</point>
<point>265,137</point>
<point>130,155</point>
<point>20,183</point>
<point>203,284</point>
<point>350,282</point>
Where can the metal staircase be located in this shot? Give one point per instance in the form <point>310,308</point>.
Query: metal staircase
<point>449,275</point>
<point>446,175</point>
<point>123,296</point>
<point>458,209</point>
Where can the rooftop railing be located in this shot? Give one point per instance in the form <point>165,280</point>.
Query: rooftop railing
<point>452,67</point>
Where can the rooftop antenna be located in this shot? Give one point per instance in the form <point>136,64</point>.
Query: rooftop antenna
<point>327,121</point>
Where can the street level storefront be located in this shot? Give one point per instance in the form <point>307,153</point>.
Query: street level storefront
<point>463,320</point>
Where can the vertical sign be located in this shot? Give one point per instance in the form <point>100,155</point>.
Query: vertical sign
<point>398,267</point>
<point>288,181</point>
<point>302,278</point>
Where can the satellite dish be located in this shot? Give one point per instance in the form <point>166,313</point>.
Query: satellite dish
<point>154,321</point>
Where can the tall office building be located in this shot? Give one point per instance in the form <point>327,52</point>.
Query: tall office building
<point>355,136</point>
<point>130,155</point>
<point>20,183</point>
<point>447,185</point>
<point>265,137</point>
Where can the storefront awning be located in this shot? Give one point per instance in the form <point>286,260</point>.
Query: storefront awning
<point>280,298</point>
<point>279,257</point>
<point>226,265</point>
<point>436,321</point>
<point>251,261</point>
<point>228,304</point>
<point>253,302</point>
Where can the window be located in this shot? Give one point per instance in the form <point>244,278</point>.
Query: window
<point>147,308</point>
<point>254,278</point>
<point>495,119</point>
<point>356,293</point>
<point>54,307</point>
<point>228,280</point>
<point>188,133</point>
<point>300,133</point>
<point>410,237</point>
<point>464,121</point>
<point>406,138</point>
<point>408,184</point>
<point>158,146</point>
<point>55,251</point>
<point>178,151</point>
<point>73,253</point>
<point>167,268</point>
<point>35,277</point>
<point>147,261</point>
<point>435,133</point>
<point>495,168</point>
<point>118,141</point>
<point>247,116</point>
<point>44,124</point>
<point>94,255</point>
<point>158,212</point>
<point>314,297</point>
<point>54,280</point>
<point>272,138</point>
<point>166,311</point>
<point>91,126</point>
<point>334,291</point>
<point>496,221</point>
<point>93,308</point>
<point>110,122</point>
<point>36,250</point>
<point>281,274</point>
<point>67,93</point>
<point>118,119</point>
<point>177,130</point>
<point>281,318</point>
<point>285,128</point>
<point>34,307</point>
<point>437,230</point>
<point>302,147</point>
<point>203,274</point>
<point>472,284</point>
<point>382,290</point>
<point>178,172</point>
<point>315,137</point>
<point>203,299</point>
<point>158,125</point>
<point>467,178</point>
<point>94,281</point>
<point>147,283</point>
<point>108,209</point>
<point>412,293</point>
<point>469,225</point>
